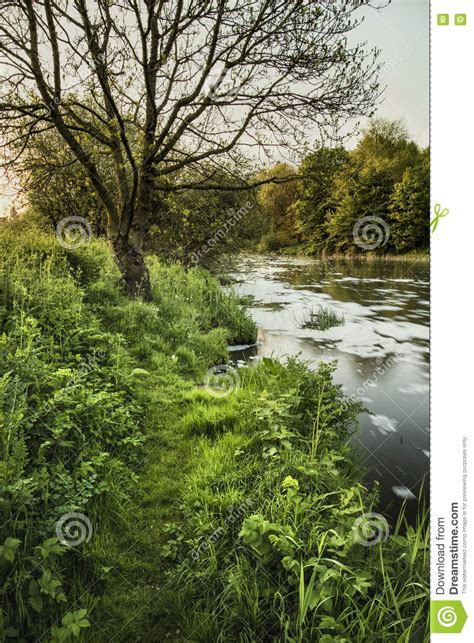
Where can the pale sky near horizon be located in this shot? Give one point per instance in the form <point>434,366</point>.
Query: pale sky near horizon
<point>401,32</point>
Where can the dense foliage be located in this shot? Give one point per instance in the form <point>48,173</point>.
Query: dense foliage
<point>270,514</point>
<point>386,176</point>
<point>212,517</point>
<point>72,431</point>
<point>197,227</point>
<point>193,226</point>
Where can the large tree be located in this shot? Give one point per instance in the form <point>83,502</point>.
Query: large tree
<point>167,84</point>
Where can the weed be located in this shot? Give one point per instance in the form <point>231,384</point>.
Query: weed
<point>322,319</point>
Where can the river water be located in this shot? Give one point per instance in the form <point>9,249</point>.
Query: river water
<point>382,352</point>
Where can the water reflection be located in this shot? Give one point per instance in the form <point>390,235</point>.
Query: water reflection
<point>382,351</point>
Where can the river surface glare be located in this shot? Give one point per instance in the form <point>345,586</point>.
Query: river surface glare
<point>382,352</point>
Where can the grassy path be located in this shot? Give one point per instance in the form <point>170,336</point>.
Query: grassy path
<point>139,600</point>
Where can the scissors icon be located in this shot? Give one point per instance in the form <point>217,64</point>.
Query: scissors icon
<point>439,214</point>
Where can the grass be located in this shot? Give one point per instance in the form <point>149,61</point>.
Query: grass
<point>322,318</point>
<point>211,518</point>
<point>422,256</point>
<point>292,568</point>
<point>79,362</point>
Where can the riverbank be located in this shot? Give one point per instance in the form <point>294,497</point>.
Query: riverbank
<point>381,349</point>
<point>300,253</point>
<point>208,505</point>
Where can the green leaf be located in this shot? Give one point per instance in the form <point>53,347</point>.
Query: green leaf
<point>75,621</point>
<point>49,585</point>
<point>50,547</point>
<point>11,633</point>
<point>140,372</point>
<point>35,599</point>
<point>9,548</point>
<point>330,622</point>
<point>400,540</point>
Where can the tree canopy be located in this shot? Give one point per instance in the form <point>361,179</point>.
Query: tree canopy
<point>160,86</point>
<point>383,181</point>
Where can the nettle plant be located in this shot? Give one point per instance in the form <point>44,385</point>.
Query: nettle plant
<point>36,580</point>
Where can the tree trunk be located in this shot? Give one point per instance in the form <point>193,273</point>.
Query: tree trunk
<point>135,275</point>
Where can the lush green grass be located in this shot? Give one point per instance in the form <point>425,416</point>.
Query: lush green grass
<point>266,548</point>
<point>78,360</point>
<point>322,318</point>
<point>213,518</point>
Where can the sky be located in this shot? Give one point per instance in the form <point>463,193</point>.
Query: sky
<point>401,31</point>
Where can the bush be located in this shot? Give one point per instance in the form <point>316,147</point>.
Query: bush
<point>274,241</point>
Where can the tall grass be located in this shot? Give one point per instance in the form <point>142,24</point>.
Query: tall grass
<point>322,318</point>
<point>294,568</point>
<point>77,361</point>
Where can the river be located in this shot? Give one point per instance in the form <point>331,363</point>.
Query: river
<point>382,352</point>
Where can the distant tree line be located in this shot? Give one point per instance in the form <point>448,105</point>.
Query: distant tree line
<point>313,210</point>
<point>386,176</point>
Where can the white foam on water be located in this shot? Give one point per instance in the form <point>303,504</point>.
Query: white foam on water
<point>384,424</point>
<point>414,389</point>
<point>403,492</point>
